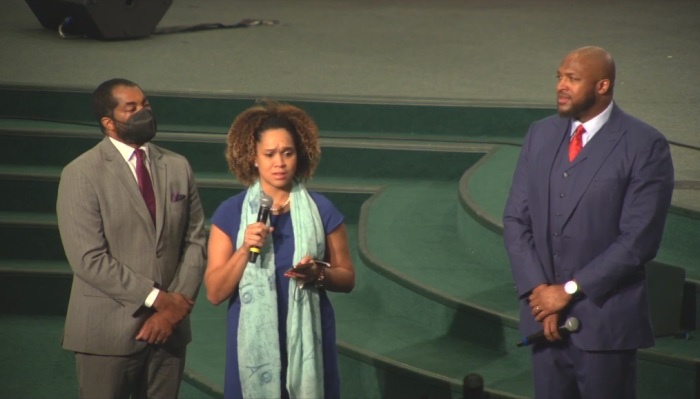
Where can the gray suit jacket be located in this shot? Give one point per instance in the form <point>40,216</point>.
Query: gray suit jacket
<point>118,255</point>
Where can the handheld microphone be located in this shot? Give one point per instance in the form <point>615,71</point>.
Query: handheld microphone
<point>569,326</point>
<point>263,215</point>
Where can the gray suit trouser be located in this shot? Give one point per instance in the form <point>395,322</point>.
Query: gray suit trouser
<point>152,373</point>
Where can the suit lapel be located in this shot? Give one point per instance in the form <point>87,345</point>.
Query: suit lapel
<point>159,170</point>
<point>115,163</point>
<point>593,156</point>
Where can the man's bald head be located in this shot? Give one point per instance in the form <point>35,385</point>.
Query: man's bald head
<point>600,62</point>
<point>586,78</point>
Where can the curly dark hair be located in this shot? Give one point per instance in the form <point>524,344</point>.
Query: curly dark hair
<point>248,127</point>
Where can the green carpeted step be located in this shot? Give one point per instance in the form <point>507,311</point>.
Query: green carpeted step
<point>352,117</point>
<point>34,288</point>
<point>413,232</point>
<point>382,317</point>
<point>35,266</point>
<point>30,236</point>
<point>679,244</point>
<point>34,188</point>
<point>57,145</point>
<point>484,188</point>
<point>427,350</point>
<point>357,161</point>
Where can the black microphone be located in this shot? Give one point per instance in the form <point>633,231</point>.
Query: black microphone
<point>263,214</point>
<point>570,326</point>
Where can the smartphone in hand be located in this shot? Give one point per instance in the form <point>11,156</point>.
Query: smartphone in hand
<point>304,266</point>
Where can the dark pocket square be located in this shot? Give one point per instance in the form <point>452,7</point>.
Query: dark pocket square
<point>175,197</point>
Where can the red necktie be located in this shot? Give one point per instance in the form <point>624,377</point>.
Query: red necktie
<point>576,143</point>
<point>145,184</point>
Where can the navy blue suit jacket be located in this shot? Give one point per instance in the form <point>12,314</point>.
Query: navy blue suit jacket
<point>613,223</point>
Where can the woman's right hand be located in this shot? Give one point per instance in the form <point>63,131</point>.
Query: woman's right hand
<point>255,235</point>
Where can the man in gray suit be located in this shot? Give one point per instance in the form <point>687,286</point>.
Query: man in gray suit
<point>131,223</point>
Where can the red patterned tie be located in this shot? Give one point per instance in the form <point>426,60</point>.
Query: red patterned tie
<point>576,143</point>
<point>145,184</point>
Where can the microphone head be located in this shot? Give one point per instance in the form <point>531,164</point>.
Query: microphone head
<point>571,324</point>
<point>265,201</point>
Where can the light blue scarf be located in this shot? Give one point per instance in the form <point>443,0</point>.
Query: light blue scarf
<point>259,361</point>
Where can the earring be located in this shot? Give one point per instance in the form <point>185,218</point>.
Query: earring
<point>256,164</point>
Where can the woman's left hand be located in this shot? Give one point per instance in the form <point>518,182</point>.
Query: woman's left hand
<point>305,271</point>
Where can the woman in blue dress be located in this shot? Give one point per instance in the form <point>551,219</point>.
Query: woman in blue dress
<point>281,325</point>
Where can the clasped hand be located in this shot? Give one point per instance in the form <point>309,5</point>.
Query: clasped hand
<point>546,300</point>
<point>170,308</point>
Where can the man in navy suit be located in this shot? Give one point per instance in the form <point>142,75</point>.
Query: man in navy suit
<point>586,212</point>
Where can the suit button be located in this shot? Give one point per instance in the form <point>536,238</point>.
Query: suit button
<point>566,174</point>
<point>561,195</point>
<point>556,235</point>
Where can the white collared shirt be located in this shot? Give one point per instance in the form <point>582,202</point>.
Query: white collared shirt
<point>127,153</point>
<point>592,126</point>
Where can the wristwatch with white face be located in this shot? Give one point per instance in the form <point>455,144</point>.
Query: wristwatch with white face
<point>571,287</point>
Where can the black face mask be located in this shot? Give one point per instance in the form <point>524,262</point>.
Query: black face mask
<point>139,129</point>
